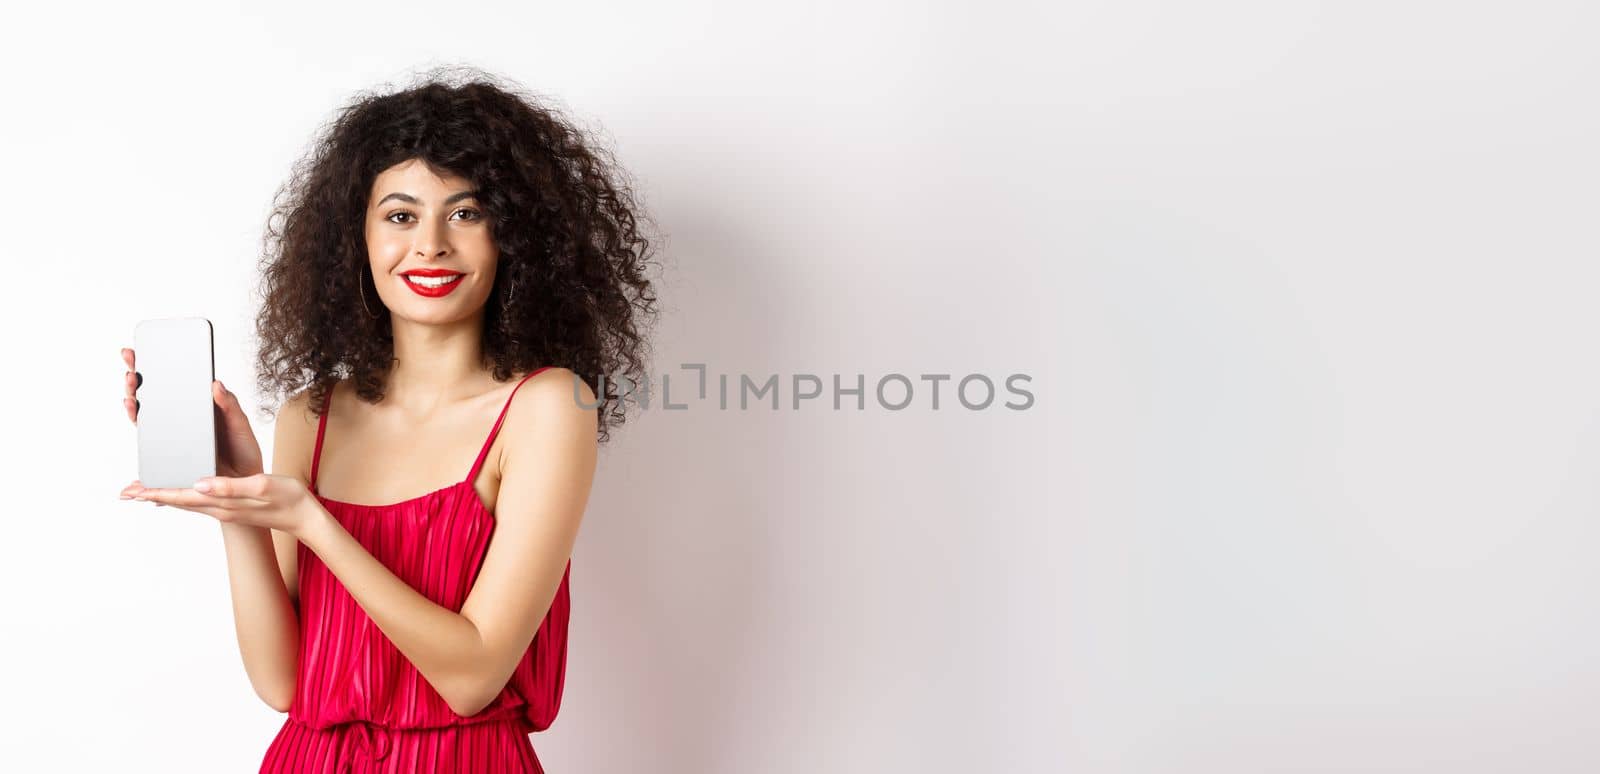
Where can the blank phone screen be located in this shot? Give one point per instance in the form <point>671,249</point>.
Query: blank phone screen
<point>176,419</point>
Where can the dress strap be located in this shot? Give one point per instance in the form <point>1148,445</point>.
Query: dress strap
<point>322,427</point>
<point>316,456</point>
<point>472,476</point>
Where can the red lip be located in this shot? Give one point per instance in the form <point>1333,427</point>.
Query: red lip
<point>431,272</point>
<point>442,290</point>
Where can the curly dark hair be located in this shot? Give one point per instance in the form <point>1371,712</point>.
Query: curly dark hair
<point>573,251</point>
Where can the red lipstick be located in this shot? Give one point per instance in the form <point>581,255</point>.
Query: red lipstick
<point>451,280</point>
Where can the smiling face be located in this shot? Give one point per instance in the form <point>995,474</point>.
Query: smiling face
<point>423,230</point>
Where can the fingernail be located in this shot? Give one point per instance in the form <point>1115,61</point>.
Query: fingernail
<point>125,496</point>
<point>202,485</point>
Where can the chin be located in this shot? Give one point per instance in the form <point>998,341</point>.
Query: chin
<point>433,312</point>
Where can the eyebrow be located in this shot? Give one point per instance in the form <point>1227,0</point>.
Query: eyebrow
<point>405,197</point>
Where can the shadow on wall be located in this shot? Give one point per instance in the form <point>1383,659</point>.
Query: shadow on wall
<point>671,566</point>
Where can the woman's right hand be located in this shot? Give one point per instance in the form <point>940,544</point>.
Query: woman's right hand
<point>238,452</point>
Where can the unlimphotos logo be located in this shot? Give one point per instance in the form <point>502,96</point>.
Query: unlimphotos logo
<point>893,391</point>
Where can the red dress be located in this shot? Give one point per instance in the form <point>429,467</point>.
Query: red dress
<point>359,704</point>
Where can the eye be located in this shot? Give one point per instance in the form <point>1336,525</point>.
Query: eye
<point>474,214</point>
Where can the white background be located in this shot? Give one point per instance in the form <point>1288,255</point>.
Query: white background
<point>1305,290</point>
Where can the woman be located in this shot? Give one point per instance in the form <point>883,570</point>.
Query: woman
<point>452,277</point>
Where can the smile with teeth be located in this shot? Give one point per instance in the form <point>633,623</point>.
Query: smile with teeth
<point>432,282</point>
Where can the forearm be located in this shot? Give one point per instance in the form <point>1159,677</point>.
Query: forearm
<point>443,645</point>
<point>264,618</point>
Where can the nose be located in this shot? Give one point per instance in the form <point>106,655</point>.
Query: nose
<point>432,240</point>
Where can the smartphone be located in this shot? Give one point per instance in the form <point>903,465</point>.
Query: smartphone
<point>176,422</point>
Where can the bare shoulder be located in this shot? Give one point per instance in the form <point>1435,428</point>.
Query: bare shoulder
<point>293,434</point>
<point>298,407</point>
<point>553,413</point>
<point>556,382</point>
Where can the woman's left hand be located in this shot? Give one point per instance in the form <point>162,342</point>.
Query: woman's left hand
<point>263,500</point>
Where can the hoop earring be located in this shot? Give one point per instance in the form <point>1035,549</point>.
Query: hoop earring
<point>511,290</point>
<point>361,287</point>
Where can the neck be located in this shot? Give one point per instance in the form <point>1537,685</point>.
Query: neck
<point>435,364</point>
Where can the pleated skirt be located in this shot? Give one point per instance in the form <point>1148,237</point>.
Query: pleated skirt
<point>365,748</point>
